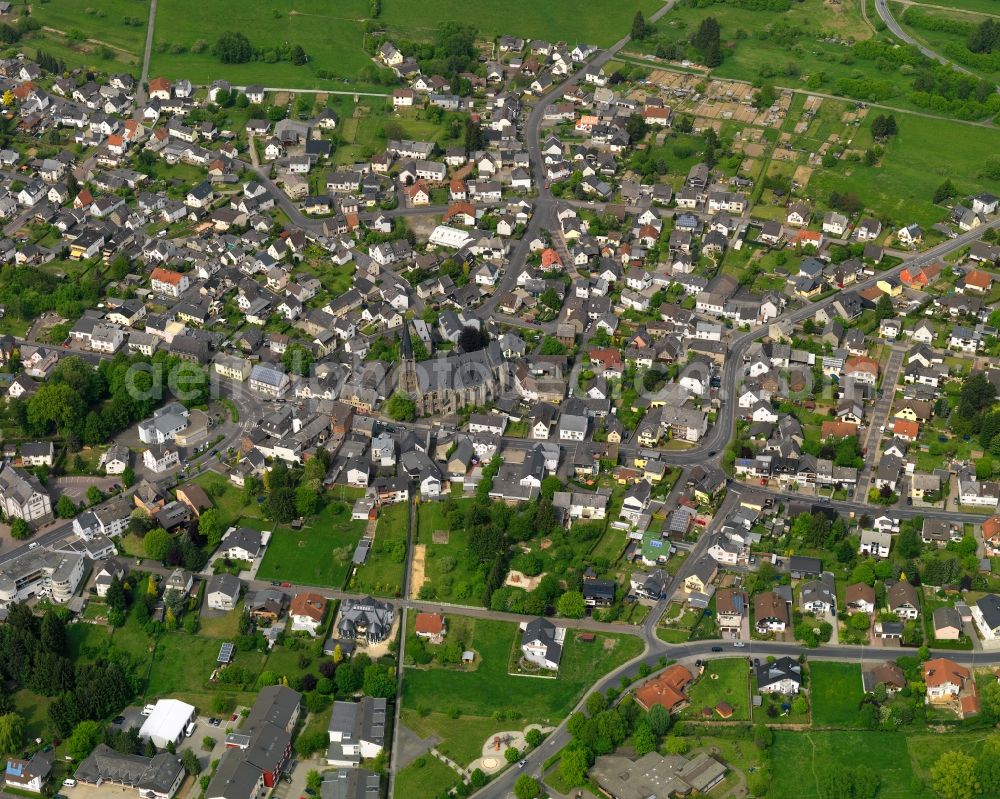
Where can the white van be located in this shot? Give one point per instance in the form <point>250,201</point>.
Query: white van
<point>189,730</point>
<point>69,782</point>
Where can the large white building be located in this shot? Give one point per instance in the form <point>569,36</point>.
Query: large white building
<point>167,722</point>
<point>40,573</point>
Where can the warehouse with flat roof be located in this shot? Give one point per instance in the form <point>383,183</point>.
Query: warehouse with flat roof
<point>167,722</point>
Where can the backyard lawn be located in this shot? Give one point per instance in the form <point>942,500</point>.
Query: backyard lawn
<point>225,626</point>
<point>382,575</point>
<point>34,709</point>
<point>183,664</point>
<point>319,554</point>
<point>227,498</point>
<point>472,694</point>
<point>723,681</point>
<point>449,574</point>
<point>835,693</point>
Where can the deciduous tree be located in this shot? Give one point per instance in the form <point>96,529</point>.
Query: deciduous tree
<point>954,776</point>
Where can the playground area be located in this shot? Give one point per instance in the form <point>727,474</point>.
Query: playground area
<point>493,758</point>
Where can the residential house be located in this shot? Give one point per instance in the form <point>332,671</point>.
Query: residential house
<point>541,643</point>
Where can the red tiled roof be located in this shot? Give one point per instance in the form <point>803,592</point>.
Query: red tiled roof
<point>308,604</point>
<point>941,670</point>
<point>666,690</point>
<point>838,429</point>
<point>979,279</point>
<point>166,276</point>
<point>430,623</point>
<point>904,427</point>
<point>550,257</point>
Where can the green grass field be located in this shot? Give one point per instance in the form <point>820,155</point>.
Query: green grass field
<point>473,693</point>
<point>382,575</point>
<point>554,20</point>
<point>183,664</point>
<point>87,640</point>
<point>746,55</point>
<point>225,626</point>
<point>319,554</point>
<point>330,32</point>
<point>425,776</point>
<point>121,24</point>
<point>835,691</point>
<point>34,709</point>
<point>800,760</point>
<point>980,6</point>
<point>723,681</point>
<point>924,154</point>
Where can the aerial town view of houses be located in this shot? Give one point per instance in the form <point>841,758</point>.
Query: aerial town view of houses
<point>411,400</point>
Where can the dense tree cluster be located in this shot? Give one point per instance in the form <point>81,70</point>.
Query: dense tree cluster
<point>974,413</point>
<point>50,63</point>
<point>985,37</point>
<point>640,30</point>
<point>295,492</point>
<point>34,655</point>
<point>233,47</point>
<point>884,126</point>
<point>602,728</point>
<point>707,41</point>
<point>87,405</point>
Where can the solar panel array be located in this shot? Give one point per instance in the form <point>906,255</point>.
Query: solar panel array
<point>226,653</point>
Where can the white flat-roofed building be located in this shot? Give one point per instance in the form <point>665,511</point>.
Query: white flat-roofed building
<point>40,573</point>
<point>167,722</point>
<point>446,236</point>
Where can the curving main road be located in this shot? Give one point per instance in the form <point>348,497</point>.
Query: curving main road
<point>886,16</point>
